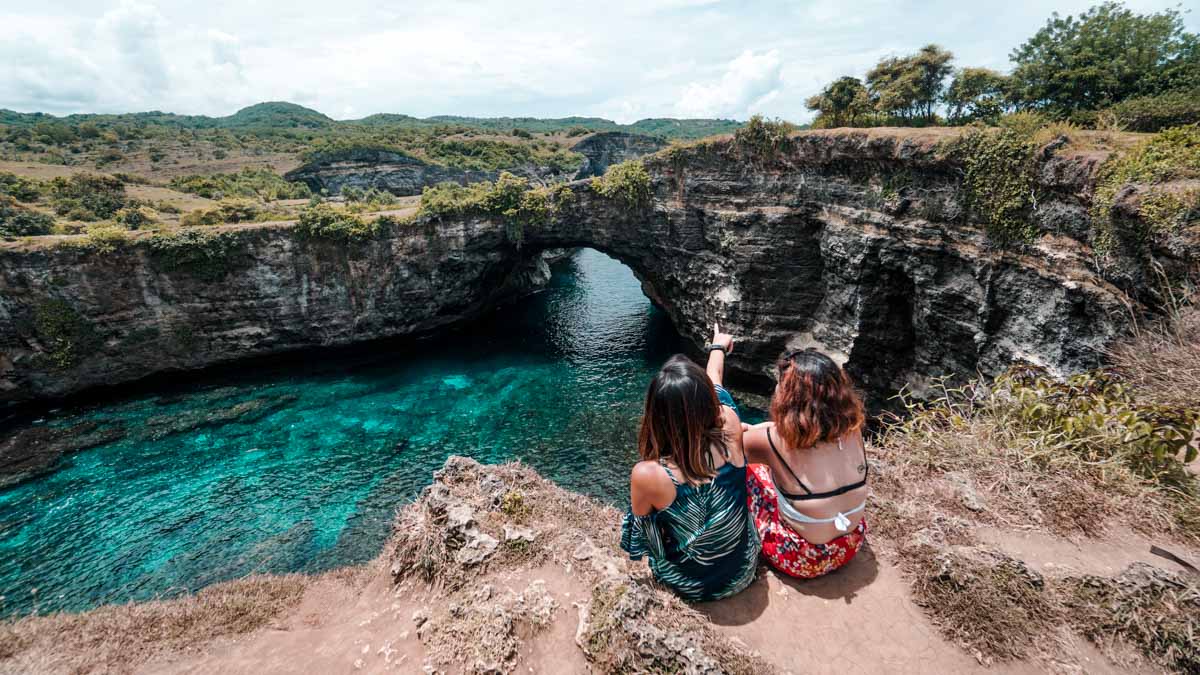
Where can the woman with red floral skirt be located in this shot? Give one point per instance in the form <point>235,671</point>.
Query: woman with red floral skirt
<point>807,481</point>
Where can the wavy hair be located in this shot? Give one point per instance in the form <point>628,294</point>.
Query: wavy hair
<point>815,400</point>
<point>682,420</point>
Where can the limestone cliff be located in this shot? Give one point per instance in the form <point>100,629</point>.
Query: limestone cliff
<point>858,243</point>
<point>602,150</point>
<point>384,170</point>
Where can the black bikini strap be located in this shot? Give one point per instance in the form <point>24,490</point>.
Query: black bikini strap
<point>786,465</point>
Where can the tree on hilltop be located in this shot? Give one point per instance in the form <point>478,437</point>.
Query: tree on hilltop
<point>1102,57</point>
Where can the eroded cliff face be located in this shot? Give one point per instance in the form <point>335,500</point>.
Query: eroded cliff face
<point>382,170</point>
<point>604,149</point>
<point>856,243</point>
<point>72,319</point>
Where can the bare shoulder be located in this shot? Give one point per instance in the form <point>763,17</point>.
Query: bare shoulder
<point>650,488</point>
<point>755,441</point>
<point>648,475</point>
<point>731,423</point>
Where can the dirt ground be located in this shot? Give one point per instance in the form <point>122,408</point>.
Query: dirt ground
<point>535,602</point>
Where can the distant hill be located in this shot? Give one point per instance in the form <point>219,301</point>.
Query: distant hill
<point>281,115</point>
<point>276,115</point>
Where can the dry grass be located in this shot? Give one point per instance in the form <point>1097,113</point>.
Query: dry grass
<point>118,638</point>
<point>1157,612</point>
<point>1163,360</point>
<point>633,627</point>
<point>960,459</point>
<point>991,604</point>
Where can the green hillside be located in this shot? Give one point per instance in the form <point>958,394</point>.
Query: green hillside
<point>284,116</point>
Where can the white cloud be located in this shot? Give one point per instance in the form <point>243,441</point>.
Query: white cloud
<point>133,29</point>
<point>626,60</point>
<point>750,81</point>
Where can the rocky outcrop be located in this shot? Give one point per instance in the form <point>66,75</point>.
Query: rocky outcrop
<point>856,243</point>
<point>604,149</point>
<point>384,170</point>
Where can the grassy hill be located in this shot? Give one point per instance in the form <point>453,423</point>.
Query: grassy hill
<point>283,116</point>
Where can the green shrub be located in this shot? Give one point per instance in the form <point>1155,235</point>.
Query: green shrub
<point>105,237</point>
<point>66,336</point>
<point>230,211</point>
<point>1023,123</point>
<point>521,133</point>
<point>1169,155</point>
<point>87,196</point>
<point>369,196</point>
<point>20,188</point>
<point>205,254</point>
<point>1094,415</point>
<point>1155,113</point>
<point>999,181</point>
<point>763,139</point>
<point>108,156</point>
<point>510,198</point>
<point>18,221</point>
<point>325,222</point>
<point>250,182</point>
<point>628,182</point>
<point>135,217</point>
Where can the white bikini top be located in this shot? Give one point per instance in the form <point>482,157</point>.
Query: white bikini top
<point>841,521</point>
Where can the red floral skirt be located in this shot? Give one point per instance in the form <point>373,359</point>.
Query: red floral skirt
<point>784,548</point>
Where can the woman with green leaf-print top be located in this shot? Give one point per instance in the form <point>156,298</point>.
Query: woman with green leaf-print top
<point>688,511</point>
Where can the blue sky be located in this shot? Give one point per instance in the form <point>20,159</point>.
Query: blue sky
<point>620,59</point>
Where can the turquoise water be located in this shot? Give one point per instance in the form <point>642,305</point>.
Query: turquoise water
<point>301,466</point>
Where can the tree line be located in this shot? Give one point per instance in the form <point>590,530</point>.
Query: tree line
<point>1140,70</point>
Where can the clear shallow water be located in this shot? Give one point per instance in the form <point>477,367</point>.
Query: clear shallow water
<point>301,466</point>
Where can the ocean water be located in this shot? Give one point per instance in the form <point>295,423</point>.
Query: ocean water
<point>300,466</point>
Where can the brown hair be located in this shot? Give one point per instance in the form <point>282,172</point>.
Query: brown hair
<point>682,420</point>
<point>815,400</point>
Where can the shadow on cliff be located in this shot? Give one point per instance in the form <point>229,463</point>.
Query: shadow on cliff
<point>750,604</point>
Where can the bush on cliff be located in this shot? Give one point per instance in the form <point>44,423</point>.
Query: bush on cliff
<point>1170,155</point>
<point>250,182</point>
<point>1155,113</point>
<point>325,222</point>
<point>763,139</point>
<point>510,198</point>
<point>999,179</point>
<point>206,254</point>
<point>627,182</point>
<point>66,337</point>
<point>85,196</point>
<point>19,221</point>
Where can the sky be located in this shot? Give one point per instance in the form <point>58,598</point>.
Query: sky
<point>620,59</point>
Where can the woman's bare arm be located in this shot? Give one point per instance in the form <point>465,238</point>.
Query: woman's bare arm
<point>716,357</point>
<point>754,441</point>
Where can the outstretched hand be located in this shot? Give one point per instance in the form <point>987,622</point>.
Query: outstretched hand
<point>723,339</point>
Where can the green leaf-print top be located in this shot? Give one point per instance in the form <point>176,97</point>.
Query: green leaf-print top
<point>704,545</point>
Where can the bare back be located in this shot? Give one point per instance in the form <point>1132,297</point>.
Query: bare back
<point>822,469</point>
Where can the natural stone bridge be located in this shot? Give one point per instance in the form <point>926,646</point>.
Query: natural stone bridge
<point>854,243</point>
